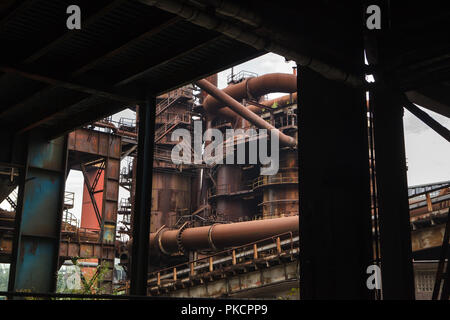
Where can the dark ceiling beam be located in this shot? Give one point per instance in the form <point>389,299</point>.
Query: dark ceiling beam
<point>97,12</point>
<point>91,88</point>
<point>86,67</point>
<point>70,33</point>
<point>51,113</point>
<point>424,98</point>
<point>429,121</point>
<point>153,31</point>
<point>22,103</point>
<point>210,21</point>
<point>208,67</point>
<point>418,79</point>
<point>168,60</point>
<point>18,7</point>
<point>83,118</point>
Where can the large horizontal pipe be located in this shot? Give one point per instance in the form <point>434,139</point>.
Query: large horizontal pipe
<point>212,22</point>
<point>220,236</point>
<point>244,112</point>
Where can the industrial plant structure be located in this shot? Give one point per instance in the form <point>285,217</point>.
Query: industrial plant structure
<point>216,229</point>
<point>337,205</point>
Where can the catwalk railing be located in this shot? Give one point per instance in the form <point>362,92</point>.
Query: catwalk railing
<point>284,245</point>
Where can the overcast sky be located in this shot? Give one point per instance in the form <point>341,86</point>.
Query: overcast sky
<point>428,154</point>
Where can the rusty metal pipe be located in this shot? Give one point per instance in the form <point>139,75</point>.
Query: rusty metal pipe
<point>252,87</point>
<point>281,101</point>
<point>115,129</point>
<point>244,112</point>
<point>220,236</point>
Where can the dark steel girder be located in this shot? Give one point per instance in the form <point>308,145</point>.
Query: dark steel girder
<point>153,31</point>
<point>86,67</point>
<point>69,33</point>
<point>90,88</point>
<point>102,110</point>
<point>17,8</point>
<point>165,60</point>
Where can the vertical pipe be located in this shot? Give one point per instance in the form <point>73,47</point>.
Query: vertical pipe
<point>142,209</point>
<point>278,245</point>
<point>211,266</point>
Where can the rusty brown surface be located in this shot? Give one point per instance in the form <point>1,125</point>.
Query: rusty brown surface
<point>252,87</point>
<point>223,235</point>
<point>94,142</point>
<point>427,237</point>
<point>280,195</point>
<point>242,111</point>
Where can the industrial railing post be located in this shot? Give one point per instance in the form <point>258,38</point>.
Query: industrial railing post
<point>158,282</point>
<point>174,274</point>
<point>211,266</point>
<point>255,251</point>
<point>278,245</point>
<point>233,255</point>
<point>141,217</point>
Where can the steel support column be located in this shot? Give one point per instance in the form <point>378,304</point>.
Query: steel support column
<point>142,208</point>
<point>38,216</point>
<point>392,189</point>
<point>335,225</point>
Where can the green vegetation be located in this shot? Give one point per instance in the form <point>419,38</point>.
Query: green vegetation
<point>74,282</point>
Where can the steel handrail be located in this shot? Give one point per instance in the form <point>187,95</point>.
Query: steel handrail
<point>290,241</point>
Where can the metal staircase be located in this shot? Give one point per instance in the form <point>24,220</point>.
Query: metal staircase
<point>167,127</point>
<point>166,103</point>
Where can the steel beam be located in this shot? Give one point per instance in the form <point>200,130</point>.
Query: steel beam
<point>429,121</point>
<point>38,216</point>
<point>142,208</point>
<point>335,231</point>
<point>392,192</point>
<point>81,86</point>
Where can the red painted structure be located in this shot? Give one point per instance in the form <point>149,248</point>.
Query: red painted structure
<point>88,217</point>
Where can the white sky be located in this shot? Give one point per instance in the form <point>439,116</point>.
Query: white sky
<point>428,154</point>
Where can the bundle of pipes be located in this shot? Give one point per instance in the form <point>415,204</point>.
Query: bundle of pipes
<point>250,88</point>
<point>215,103</point>
<point>220,236</point>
